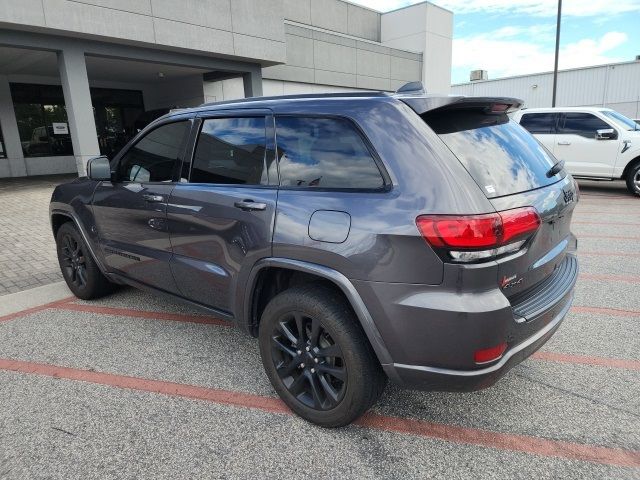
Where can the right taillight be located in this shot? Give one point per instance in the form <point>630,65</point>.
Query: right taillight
<point>468,238</point>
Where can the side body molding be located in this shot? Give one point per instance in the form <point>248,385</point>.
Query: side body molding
<point>339,280</point>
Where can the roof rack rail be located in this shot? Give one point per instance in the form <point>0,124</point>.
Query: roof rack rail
<point>414,88</point>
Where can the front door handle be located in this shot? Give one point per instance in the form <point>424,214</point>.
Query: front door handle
<point>564,142</point>
<point>249,205</point>
<point>153,198</point>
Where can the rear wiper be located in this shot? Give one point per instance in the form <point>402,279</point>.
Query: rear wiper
<point>557,168</point>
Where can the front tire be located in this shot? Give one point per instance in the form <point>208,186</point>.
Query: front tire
<point>633,179</point>
<point>78,268</point>
<point>317,357</point>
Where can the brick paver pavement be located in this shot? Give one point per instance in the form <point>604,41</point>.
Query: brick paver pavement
<point>27,250</point>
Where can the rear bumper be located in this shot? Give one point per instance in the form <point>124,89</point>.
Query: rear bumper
<point>432,332</point>
<point>434,378</point>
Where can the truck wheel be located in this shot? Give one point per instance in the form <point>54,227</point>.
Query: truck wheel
<point>633,179</point>
<point>317,357</point>
<point>79,270</point>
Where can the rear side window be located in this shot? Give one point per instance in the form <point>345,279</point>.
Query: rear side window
<point>583,124</point>
<point>231,151</point>
<point>498,153</point>
<point>539,122</point>
<point>324,153</point>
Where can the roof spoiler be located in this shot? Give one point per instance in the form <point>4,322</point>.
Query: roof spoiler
<point>427,103</point>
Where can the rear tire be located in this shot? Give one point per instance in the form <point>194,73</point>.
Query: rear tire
<point>78,268</point>
<point>317,357</point>
<point>633,179</point>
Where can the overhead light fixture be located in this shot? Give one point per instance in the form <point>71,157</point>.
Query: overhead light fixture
<point>535,85</point>
<point>160,74</point>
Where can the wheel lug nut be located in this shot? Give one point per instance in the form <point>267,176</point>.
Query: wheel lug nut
<point>308,348</point>
<point>316,360</point>
<point>313,370</point>
<point>302,365</point>
<point>299,352</point>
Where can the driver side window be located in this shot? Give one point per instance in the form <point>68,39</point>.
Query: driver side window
<point>156,156</point>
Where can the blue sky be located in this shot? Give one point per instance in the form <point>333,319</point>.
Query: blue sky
<point>514,37</point>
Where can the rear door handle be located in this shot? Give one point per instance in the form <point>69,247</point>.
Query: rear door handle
<point>153,198</point>
<point>564,143</point>
<point>249,205</point>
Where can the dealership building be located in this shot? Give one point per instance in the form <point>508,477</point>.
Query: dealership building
<point>79,78</point>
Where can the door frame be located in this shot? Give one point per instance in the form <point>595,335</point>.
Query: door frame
<point>241,281</point>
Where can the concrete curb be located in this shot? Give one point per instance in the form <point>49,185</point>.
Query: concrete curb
<point>34,297</point>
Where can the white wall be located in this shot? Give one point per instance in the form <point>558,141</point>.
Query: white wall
<point>425,28</point>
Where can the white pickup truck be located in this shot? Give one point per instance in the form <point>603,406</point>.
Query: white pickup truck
<point>595,143</point>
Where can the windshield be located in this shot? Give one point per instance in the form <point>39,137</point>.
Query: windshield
<point>500,155</point>
<point>621,119</point>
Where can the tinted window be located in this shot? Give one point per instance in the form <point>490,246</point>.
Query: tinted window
<point>324,153</point>
<point>156,156</point>
<point>230,151</point>
<point>622,120</point>
<point>499,154</point>
<point>539,122</point>
<point>583,124</point>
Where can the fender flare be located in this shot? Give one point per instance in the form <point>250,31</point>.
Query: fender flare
<point>338,279</point>
<point>74,218</point>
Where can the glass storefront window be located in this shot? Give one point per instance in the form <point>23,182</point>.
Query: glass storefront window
<point>42,120</point>
<point>43,124</point>
<point>116,112</point>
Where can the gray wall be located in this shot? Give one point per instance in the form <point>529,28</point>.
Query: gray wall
<point>239,28</point>
<point>615,86</point>
<point>324,58</point>
<point>335,15</point>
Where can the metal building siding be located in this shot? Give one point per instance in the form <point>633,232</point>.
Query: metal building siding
<point>616,86</point>
<point>580,87</point>
<point>624,83</point>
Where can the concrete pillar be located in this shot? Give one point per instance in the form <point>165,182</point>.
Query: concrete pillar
<point>9,125</point>
<point>252,83</point>
<point>77,99</point>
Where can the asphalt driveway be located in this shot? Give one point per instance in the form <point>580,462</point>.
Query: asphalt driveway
<point>131,386</point>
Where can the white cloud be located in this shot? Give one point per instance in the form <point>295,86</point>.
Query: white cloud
<point>544,8</point>
<point>503,56</point>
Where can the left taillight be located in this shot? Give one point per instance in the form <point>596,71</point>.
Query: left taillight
<point>470,238</point>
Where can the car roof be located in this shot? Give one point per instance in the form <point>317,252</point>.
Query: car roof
<point>420,102</point>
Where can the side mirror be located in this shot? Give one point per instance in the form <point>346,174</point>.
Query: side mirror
<point>606,134</point>
<point>99,168</point>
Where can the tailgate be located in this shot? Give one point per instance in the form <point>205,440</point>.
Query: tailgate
<point>546,250</point>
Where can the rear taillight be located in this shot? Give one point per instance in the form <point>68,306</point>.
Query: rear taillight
<point>468,238</point>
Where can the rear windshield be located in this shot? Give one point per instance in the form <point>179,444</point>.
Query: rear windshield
<point>501,156</point>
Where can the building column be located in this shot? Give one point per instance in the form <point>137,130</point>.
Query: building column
<point>77,99</point>
<point>252,83</point>
<point>9,125</point>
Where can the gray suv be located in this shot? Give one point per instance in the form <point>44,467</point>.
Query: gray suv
<point>361,237</point>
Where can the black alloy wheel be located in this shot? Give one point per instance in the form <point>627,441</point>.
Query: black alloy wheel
<point>308,361</point>
<point>77,265</point>
<point>73,261</point>
<point>317,356</point>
